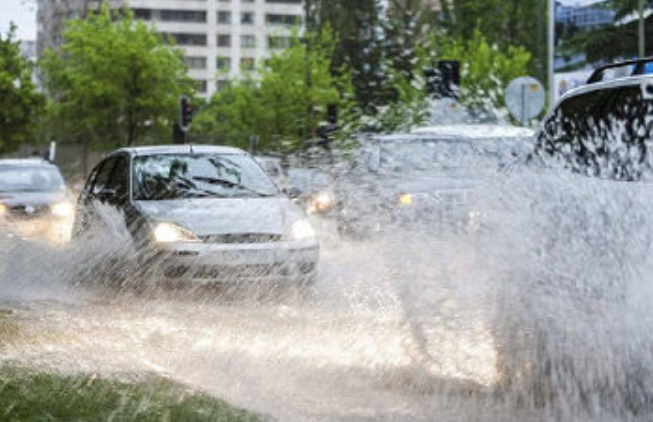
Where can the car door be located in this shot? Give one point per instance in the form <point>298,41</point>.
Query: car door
<point>86,215</point>
<point>94,196</point>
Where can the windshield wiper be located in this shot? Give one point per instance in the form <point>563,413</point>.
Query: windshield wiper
<point>230,184</point>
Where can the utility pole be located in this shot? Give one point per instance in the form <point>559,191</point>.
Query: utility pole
<point>551,52</point>
<point>540,39</point>
<point>642,33</point>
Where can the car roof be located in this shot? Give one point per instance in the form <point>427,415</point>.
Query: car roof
<point>611,83</point>
<point>26,162</point>
<point>179,149</point>
<point>268,158</point>
<point>461,132</point>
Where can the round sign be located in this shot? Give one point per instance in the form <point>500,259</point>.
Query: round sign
<point>525,98</point>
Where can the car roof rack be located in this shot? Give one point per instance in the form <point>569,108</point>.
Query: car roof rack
<point>640,68</point>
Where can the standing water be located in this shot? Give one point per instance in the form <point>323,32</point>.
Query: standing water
<point>542,315</point>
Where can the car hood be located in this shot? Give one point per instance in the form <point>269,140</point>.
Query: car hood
<point>431,183</point>
<point>32,198</point>
<point>209,216</point>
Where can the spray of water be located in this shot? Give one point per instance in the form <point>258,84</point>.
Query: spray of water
<point>540,315</point>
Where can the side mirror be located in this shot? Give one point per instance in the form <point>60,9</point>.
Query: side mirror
<point>107,195</point>
<point>293,192</point>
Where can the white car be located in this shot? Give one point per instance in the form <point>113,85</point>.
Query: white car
<point>34,201</point>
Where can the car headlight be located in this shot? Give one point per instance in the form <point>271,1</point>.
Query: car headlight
<point>170,233</point>
<point>322,202</point>
<point>3,210</point>
<point>405,199</point>
<point>300,230</point>
<point>63,209</point>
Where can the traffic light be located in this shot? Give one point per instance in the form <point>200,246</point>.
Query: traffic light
<point>186,117</point>
<point>443,81</point>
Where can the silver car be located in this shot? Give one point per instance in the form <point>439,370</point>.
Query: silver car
<point>34,201</point>
<point>425,179</point>
<point>202,213</point>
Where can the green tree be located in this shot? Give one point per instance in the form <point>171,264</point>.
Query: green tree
<point>357,28</point>
<point>20,103</point>
<point>285,103</point>
<point>626,7</point>
<point>114,81</point>
<point>486,70</point>
<point>505,23</point>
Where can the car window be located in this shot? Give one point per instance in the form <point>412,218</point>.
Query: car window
<point>102,179</point>
<point>179,176</point>
<point>427,154</point>
<point>91,178</point>
<point>120,177</point>
<point>30,179</point>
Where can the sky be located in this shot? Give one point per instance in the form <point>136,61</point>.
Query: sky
<point>23,14</point>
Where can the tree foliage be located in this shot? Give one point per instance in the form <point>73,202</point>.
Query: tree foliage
<point>114,81</point>
<point>359,44</point>
<point>20,103</point>
<point>505,23</point>
<point>286,103</point>
<point>486,70</point>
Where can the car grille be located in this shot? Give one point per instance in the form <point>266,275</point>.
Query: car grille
<point>455,197</point>
<point>241,238</point>
<point>27,211</point>
<point>228,273</point>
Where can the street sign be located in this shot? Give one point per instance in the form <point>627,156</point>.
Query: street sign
<point>525,98</point>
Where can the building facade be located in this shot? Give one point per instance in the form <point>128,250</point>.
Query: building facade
<point>221,39</point>
<point>585,16</point>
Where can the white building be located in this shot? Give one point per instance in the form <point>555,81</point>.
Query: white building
<point>221,38</point>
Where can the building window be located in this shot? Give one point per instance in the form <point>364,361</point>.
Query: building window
<point>279,42</point>
<point>142,14</point>
<point>247,64</point>
<point>195,62</point>
<point>224,40</point>
<point>224,17</point>
<point>247,18</point>
<point>285,20</point>
<point>223,63</point>
<point>189,39</point>
<point>183,16</point>
<point>247,41</point>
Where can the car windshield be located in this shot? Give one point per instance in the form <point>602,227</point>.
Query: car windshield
<point>178,176</point>
<point>428,154</point>
<point>30,179</point>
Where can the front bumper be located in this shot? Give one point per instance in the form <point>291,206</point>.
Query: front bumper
<point>205,262</point>
<point>442,219</point>
<point>53,230</point>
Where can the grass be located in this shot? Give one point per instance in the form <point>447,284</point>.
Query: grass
<point>31,396</point>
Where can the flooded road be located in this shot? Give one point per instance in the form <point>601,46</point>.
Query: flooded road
<point>344,352</point>
<point>396,329</point>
